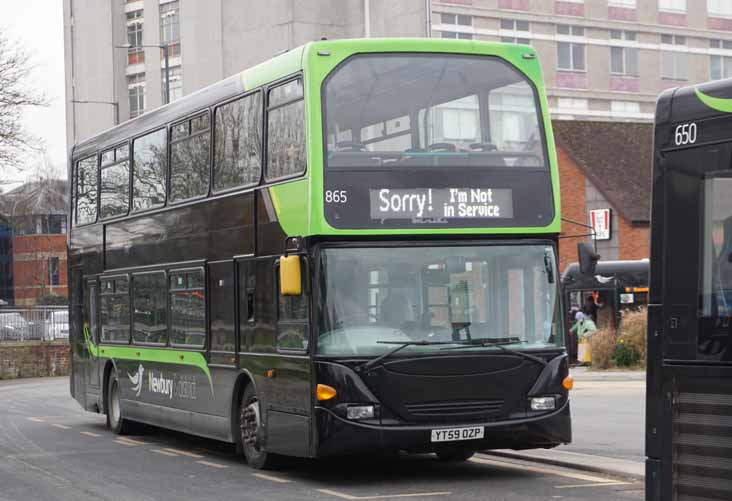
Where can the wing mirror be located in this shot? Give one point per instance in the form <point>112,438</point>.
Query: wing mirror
<point>588,258</point>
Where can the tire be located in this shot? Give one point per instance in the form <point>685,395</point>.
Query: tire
<point>251,431</point>
<point>454,456</point>
<point>115,420</point>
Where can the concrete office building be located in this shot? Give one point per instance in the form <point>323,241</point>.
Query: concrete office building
<point>604,59</point>
<point>207,40</point>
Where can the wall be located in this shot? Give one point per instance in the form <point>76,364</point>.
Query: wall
<point>30,267</point>
<point>572,183</point>
<point>34,359</point>
<point>634,240</point>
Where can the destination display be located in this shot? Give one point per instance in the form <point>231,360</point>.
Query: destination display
<point>446,203</point>
<point>432,198</point>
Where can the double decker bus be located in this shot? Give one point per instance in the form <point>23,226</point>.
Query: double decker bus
<point>350,247</point>
<point>689,386</point>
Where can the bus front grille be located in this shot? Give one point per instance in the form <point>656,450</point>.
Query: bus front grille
<point>702,443</point>
<point>467,409</point>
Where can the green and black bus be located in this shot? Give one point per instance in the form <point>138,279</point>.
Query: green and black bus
<point>350,247</point>
<point>689,388</point>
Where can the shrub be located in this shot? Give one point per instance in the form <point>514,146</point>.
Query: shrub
<point>625,354</point>
<point>602,348</point>
<point>633,333</point>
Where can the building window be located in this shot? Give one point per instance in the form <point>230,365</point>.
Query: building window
<point>453,34</point>
<point>572,103</point>
<point>286,131</point>
<point>624,107</point>
<point>54,271</point>
<point>719,8</point>
<point>518,28</point>
<point>720,66</point>
<point>457,19</point>
<point>55,224</point>
<point>170,27</point>
<point>176,83</point>
<point>623,60</point>
<point>135,54</point>
<point>628,4</point>
<point>673,63</point>
<point>571,54</point>
<point>188,309</point>
<point>136,94</point>
<point>673,5</point>
<point>190,143</point>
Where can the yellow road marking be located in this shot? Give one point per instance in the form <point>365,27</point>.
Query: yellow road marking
<point>606,484</point>
<point>90,434</point>
<point>212,465</point>
<point>62,426</point>
<point>183,453</point>
<point>130,441</point>
<point>343,495</point>
<point>543,471</point>
<point>36,420</point>
<point>166,453</point>
<point>273,479</point>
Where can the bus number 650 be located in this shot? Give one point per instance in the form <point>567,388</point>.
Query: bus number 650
<point>685,134</point>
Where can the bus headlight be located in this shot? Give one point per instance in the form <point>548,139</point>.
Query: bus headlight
<point>543,404</point>
<point>360,412</point>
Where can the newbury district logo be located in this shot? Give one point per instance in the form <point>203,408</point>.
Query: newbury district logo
<point>136,380</point>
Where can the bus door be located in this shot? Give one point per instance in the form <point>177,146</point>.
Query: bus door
<point>79,352</point>
<point>91,324</point>
<point>223,343</point>
<point>689,389</point>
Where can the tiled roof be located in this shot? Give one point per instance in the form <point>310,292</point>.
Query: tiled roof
<point>616,157</point>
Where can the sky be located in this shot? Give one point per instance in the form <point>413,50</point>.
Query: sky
<point>38,26</point>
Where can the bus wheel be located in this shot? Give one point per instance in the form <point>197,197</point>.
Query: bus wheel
<point>250,424</point>
<point>115,421</point>
<point>455,455</point>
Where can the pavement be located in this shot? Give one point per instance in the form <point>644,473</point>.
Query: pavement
<point>52,449</point>
<point>608,426</point>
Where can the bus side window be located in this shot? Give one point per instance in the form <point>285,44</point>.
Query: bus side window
<point>187,309</point>
<point>115,310</point>
<point>292,319</point>
<point>189,147</point>
<point>286,131</point>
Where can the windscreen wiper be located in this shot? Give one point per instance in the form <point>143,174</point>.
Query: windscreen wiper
<point>485,343</point>
<point>401,346</point>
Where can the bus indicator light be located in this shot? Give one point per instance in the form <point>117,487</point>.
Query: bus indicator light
<point>325,392</point>
<point>568,383</point>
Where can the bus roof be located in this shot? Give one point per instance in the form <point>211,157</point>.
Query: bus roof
<point>274,69</point>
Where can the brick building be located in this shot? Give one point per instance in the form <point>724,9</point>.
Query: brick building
<point>605,165</point>
<point>33,261</point>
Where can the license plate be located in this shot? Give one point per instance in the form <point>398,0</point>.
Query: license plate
<point>455,434</point>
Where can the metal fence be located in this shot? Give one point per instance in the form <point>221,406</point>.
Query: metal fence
<point>45,323</point>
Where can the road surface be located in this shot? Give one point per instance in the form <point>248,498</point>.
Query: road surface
<point>51,449</point>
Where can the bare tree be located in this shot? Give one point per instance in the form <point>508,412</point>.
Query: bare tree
<point>15,95</point>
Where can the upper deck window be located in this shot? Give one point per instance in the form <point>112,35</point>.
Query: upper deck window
<point>86,190</point>
<point>238,143</point>
<point>149,169</point>
<point>427,110</point>
<point>189,153</point>
<point>286,131</point>
<point>115,182</point>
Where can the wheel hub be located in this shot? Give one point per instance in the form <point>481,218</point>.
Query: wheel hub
<point>250,425</point>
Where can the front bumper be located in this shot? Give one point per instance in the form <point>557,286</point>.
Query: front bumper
<point>340,436</point>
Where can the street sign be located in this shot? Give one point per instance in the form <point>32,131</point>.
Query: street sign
<point>600,221</point>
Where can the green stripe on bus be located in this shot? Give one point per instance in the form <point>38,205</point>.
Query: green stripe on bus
<point>716,103</point>
<point>145,354</point>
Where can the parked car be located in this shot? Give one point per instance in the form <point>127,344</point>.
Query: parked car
<point>13,327</point>
<point>57,325</point>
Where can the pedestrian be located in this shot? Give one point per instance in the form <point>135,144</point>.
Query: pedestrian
<point>584,326</point>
